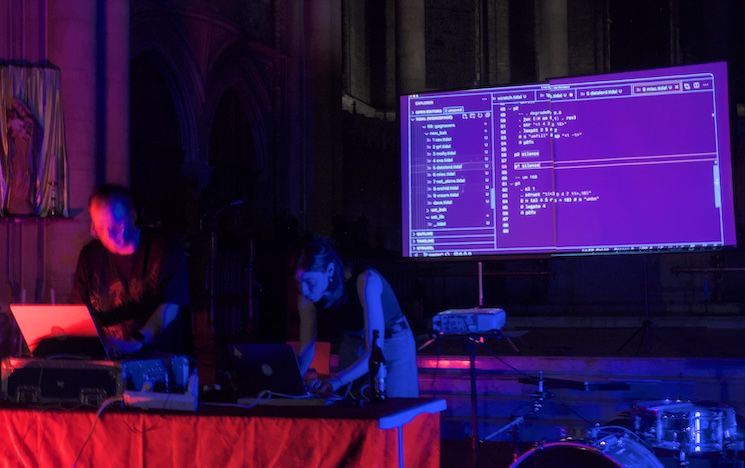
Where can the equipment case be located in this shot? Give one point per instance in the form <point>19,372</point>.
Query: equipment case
<point>30,380</point>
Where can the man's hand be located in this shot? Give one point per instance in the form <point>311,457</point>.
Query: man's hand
<point>124,346</point>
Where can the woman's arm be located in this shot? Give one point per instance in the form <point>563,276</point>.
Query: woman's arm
<point>370,290</point>
<point>308,329</point>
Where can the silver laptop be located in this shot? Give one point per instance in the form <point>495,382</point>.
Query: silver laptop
<point>59,330</point>
<point>269,374</point>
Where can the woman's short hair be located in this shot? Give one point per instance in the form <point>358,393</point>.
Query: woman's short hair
<point>316,255</point>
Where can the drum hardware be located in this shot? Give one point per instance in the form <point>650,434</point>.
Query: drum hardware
<point>686,427</point>
<point>512,424</point>
<point>537,400</point>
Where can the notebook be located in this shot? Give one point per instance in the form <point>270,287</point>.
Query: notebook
<point>59,330</point>
<point>272,367</point>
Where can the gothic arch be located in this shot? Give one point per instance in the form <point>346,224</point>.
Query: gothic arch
<point>164,41</point>
<point>239,72</point>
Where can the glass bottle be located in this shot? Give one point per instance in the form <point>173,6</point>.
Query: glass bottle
<point>376,369</point>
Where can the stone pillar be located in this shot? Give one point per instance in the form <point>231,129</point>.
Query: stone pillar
<point>68,26</point>
<point>323,74</point>
<point>291,135</point>
<point>501,70</point>
<point>552,53</point>
<point>116,84</point>
<point>390,93</point>
<point>411,66</point>
<point>72,45</point>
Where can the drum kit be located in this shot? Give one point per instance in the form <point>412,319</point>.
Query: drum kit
<point>681,433</point>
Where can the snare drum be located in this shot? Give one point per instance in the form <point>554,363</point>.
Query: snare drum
<point>609,452</point>
<point>687,427</point>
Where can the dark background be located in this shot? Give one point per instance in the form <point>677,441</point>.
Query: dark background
<point>339,127</point>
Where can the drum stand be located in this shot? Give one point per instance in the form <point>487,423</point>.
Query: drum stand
<point>538,398</point>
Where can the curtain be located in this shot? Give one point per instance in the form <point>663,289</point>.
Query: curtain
<point>34,178</point>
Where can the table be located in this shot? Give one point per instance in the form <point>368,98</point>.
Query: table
<point>398,432</point>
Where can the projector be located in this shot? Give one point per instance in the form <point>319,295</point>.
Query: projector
<point>468,321</point>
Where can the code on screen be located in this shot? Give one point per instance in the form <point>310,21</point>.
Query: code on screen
<point>607,163</point>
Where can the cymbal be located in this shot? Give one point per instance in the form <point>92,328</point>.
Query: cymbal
<point>550,382</point>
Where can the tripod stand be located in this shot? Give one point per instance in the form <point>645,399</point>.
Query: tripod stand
<point>466,324</point>
<point>471,341</point>
<point>645,329</point>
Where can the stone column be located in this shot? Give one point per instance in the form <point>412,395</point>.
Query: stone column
<point>411,65</point>
<point>323,84</point>
<point>72,45</point>
<point>116,84</point>
<point>501,67</point>
<point>552,53</point>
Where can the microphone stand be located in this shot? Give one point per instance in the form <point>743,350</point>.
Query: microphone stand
<point>212,261</point>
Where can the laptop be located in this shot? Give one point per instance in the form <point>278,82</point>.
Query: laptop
<point>262,368</point>
<point>52,330</point>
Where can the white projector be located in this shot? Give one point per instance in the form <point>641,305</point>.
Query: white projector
<point>468,321</point>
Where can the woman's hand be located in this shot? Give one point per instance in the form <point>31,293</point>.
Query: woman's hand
<point>316,384</point>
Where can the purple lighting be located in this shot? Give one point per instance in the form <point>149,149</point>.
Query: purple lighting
<point>632,161</point>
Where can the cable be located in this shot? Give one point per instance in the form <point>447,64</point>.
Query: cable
<point>331,396</point>
<point>362,390</point>
<point>106,403</point>
<point>524,374</point>
<point>348,391</point>
<point>268,394</point>
<point>228,405</point>
<point>436,372</point>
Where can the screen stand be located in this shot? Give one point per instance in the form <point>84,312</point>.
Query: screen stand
<point>471,342</point>
<point>481,283</point>
<point>501,334</point>
<point>645,329</point>
<point>642,332</point>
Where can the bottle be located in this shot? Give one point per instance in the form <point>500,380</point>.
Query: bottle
<point>376,370</point>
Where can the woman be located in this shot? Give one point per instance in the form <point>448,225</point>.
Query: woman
<point>360,300</point>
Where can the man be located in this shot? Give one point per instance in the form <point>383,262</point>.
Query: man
<point>133,280</point>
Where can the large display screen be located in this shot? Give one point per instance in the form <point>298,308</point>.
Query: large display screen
<point>626,162</point>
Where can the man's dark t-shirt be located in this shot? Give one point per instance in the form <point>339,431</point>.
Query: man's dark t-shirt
<point>123,291</point>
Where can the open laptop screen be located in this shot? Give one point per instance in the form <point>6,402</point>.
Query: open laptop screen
<point>259,367</point>
<point>58,329</point>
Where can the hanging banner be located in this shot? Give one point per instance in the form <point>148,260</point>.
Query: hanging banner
<point>34,179</point>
